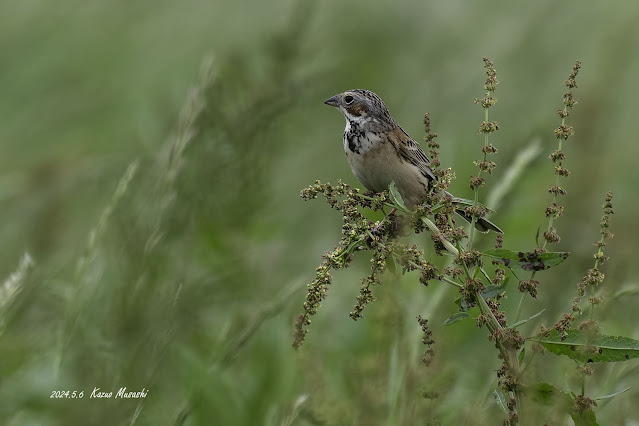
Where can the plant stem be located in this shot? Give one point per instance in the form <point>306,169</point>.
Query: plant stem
<point>476,198</point>
<point>451,282</point>
<point>551,218</point>
<point>435,230</point>
<point>521,299</point>
<point>509,354</point>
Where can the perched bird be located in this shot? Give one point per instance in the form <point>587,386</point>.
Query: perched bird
<point>379,151</point>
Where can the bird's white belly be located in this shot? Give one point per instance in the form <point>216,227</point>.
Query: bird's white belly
<point>370,170</point>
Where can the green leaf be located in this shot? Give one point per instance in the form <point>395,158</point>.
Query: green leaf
<point>391,265</point>
<point>585,418</point>
<point>612,395</point>
<point>484,273</point>
<point>528,261</point>
<point>501,400</point>
<point>493,290</point>
<point>352,246</point>
<point>512,271</point>
<point>577,345</point>
<point>524,321</point>
<point>462,304</point>
<point>396,197</point>
<point>548,395</point>
<point>522,354</point>
<point>456,317</point>
<point>506,280</point>
<point>489,291</point>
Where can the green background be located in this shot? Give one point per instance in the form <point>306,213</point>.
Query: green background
<point>187,282</point>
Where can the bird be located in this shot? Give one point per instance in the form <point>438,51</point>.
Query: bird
<point>379,152</point>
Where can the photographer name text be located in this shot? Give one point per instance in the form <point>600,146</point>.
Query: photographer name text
<point>121,393</point>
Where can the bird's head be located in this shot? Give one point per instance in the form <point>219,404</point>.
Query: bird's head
<point>359,105</point>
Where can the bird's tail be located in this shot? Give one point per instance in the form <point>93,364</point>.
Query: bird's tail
<point>481,224</point>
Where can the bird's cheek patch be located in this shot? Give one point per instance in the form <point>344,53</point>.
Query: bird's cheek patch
<point>357,110</point>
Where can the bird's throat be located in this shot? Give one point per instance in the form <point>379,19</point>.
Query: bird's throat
<point>357,136</point>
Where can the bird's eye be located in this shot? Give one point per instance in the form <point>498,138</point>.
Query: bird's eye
<point>348,99</point>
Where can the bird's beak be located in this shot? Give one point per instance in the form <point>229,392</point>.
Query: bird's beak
<point>332,101</point>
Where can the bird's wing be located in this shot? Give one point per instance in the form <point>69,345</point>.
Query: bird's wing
<point>410,151</point>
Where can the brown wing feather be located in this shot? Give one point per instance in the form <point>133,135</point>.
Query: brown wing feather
<point>410,151</point>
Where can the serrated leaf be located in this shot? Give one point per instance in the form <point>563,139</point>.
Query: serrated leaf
<point>396,196</point>
<point>528,261</point>
<point>524,321</point>
<point>612,395</point>
<point>599,348</point>
<point>500,398</point>
<point>456,317</point>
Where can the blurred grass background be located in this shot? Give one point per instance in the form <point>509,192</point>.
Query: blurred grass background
<point>186,280</point>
